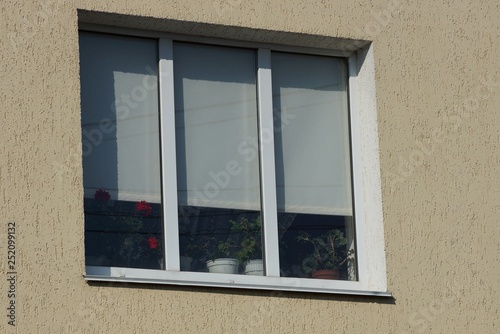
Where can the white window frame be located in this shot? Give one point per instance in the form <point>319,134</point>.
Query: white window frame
<point>369,233</point>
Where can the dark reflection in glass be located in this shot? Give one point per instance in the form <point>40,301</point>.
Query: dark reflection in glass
<point>316,246</point>
<point>122,233</point>
<point>220,240</point>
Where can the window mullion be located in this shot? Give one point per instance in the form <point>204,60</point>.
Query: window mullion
<point>169,175</point>
<point>268,172</point>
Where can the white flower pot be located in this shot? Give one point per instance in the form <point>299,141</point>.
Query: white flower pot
<point>255,267</point>
<point>223,266</point>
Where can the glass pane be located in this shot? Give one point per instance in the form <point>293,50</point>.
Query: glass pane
<point>121,159</point>
<point>312,166</point>
<point>217,162</point>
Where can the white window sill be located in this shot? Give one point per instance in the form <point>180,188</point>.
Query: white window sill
<point>130,275</point>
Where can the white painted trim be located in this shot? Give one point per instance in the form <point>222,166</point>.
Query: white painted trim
<point>132,275</point>
<point>267,167</point>
<point>169,175</point>
<point>357,170</point>
<point>366,172</point>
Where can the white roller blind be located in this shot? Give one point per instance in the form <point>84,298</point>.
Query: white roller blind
<point>120,135</point>
<point>216,112</point>
<point>311,143</point>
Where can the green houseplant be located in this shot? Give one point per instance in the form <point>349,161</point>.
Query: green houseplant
<point>221,255</point>
<point>328,254</point>
<point>224,262</point>
<point>250,247</point>
<point>242,245</point>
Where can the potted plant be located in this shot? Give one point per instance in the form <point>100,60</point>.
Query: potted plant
<point>329,253</point>
<point>223,256</point>
<point>128,232</point>
<point>250,251</point>
<point>223,263</point>
<point>243,245</point>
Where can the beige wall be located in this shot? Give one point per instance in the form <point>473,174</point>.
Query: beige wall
<point>438,95</point>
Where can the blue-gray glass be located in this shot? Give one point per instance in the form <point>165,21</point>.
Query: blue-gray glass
<point>313,173</point>
<point>121,156</point>
<point>217,162</point>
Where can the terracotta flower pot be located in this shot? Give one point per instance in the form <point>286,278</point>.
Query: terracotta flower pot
<point>325,274</point>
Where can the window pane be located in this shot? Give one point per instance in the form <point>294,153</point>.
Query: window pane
<point>121,160</point>
<point>312,163</point>
<point>312,146</point>
<point>217,164</point>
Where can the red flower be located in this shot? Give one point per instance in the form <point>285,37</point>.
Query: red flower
<point>102,195</point>
<point>152,242</point>
<point>144,208</point>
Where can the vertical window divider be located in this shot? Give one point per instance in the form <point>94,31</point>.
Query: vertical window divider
<point>169,173</point>
<point>267,165</point>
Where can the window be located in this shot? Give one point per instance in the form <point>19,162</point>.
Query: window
<point>225,165</point>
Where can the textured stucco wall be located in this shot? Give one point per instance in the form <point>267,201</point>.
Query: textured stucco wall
<point>438,96</point>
